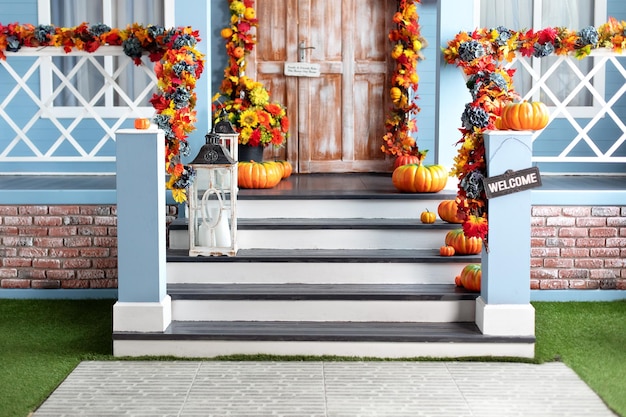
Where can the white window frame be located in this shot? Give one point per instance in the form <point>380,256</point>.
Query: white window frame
<point>598,82</point>
<point>44,16</point>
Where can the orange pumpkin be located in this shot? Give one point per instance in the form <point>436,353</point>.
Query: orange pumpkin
<point>428,217</point>
<point>470,277</point>
<point>525,116</point>
<point>405,159</point>
<point>142,123</point>
<point>419,178</point>
<point>500,124</point>
<point>395,93</point>
<point>258,174</point>
<point>446,251</point>
<point>448,210</point>
<point>285,167</point>
<point>462,244</point>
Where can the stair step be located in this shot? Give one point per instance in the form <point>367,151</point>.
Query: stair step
<point>317,266</point>
<point>366,339</point>
<point>334,233</point>
<point>321,302</point>
<point>304,292</point>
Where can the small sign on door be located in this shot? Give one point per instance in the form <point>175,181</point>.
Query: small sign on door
<point>302,69</point>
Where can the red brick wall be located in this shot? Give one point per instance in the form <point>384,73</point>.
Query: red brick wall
<point>578,247</point>
<point>60,246</point>
<point>76,247</point>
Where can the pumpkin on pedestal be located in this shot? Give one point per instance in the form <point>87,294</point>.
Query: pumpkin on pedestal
<point>524,116</point>
<point>419,178</point>
<point>285,168</point>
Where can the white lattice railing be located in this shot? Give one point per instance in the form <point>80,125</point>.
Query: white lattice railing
<point>581,119</point>
<point>35,124</point>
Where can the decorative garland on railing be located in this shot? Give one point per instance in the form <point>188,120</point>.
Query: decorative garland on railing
<point>480,55</point>
<point>406,52</point>
<point>246,103</point>
<point>178,66</point>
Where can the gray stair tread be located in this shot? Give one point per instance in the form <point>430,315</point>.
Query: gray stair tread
<point>323,331</point>
<point>423,292</point>
<point>327,255</point>
<point>330,224</point>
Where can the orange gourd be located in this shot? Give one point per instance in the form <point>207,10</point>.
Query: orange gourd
<point>258,174</point>
<point>405,159</point>
<point>419,178</point>
<point>428,217</point>
<point>448,211</point>
<point>446,251</point>
<point>470,277</point>
<point>462,244</point>
<point>525,116</point>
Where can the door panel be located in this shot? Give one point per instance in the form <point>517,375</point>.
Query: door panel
<point>337,119</point>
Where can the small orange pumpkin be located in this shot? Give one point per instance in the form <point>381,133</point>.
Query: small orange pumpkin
<point>428,217</point>
<point>470,277</point>
<point>419,178</point>
<point>448,210</point>
<point>405,159</point>
<point>462,244</point>
<point>251,174</point>
<point>142,123</point>
<point>446,251</point>
<point>525,116</point>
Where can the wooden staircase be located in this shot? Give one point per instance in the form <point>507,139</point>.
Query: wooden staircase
<point>322,271</point>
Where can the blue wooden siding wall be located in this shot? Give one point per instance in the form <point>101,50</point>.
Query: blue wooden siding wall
<point>25,11</point>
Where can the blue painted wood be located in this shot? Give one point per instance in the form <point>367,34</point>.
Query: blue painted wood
<point>506,265</point>
<point>141,216</point>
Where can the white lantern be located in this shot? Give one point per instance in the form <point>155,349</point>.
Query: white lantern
<point>213,201</point>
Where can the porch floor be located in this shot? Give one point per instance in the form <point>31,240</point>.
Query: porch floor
<point>303,186</point>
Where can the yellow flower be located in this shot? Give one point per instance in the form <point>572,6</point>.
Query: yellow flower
<point>248,118</point>
<point>259,96</point>
<point>238,8</point>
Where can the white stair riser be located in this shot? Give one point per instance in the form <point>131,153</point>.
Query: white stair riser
<point>328,239</point>
<point>341,208</point>
<point>312,273</point>
<point>325,310</point>
<point>213,348</point>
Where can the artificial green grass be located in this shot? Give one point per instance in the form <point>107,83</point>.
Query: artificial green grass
<point>590,338</point>
<point>42,341</point>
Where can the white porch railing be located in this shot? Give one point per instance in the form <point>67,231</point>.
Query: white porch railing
<point>38,128</point>
<point>581,119</point>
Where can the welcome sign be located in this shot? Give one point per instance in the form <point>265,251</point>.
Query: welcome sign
<point>512,182</point>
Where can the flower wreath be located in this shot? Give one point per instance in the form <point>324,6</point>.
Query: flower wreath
<point>178,66</point>
<point>406,52</point>
<point>247,104</point>
<point>480,54</point>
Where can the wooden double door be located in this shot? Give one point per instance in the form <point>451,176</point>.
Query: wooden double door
<point>337,118</point>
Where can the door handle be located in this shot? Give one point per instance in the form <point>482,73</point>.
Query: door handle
<point>302,51</point>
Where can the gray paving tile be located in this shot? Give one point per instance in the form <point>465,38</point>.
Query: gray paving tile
<point>328,389</point>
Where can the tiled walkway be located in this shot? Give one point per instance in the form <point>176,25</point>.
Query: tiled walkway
<point>207,388</point>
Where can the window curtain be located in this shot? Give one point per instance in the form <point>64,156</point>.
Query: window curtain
<point>67,13</point>
<point>518,15</point>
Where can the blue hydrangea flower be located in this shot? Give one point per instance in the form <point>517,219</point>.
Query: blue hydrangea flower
<point>589,36</point>
<point>99,29</point>
<point>181,67</point>
<point>499,81</point>
<point>13,44</point>
<point>186,178</point>
<point>470,50</point>
<point>42,33</point>
<point>132,47</point>
<point>474,117</point>
<point>180,97</point>
<point>504,35</point>
<point>163,122</point>
<point>184,40</point>
<point>155,31</point>
<point>543,50</point>
<point>472,183</point>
